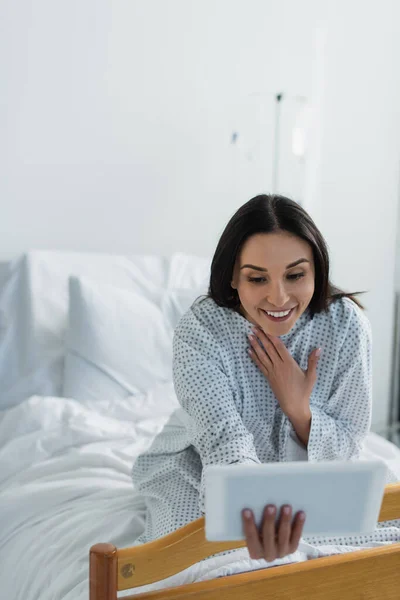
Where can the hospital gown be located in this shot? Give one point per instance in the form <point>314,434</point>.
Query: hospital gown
<point>229,413</point>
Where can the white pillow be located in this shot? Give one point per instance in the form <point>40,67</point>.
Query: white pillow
<point>119,343</point>
<point>34,308</point>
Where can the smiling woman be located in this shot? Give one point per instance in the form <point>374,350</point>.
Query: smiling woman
<point>273,365</point>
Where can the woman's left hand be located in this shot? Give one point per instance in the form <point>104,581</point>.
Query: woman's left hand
<point>272,541</point>
<point>291,385</point>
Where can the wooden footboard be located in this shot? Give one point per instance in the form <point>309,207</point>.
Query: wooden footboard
<point>363,574</point>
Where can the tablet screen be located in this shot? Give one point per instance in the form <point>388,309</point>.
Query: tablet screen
<point>339,498</point>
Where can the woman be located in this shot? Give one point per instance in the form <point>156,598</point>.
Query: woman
<point>273,365</point>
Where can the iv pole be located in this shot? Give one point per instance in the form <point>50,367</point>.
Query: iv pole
<point>275,156</point>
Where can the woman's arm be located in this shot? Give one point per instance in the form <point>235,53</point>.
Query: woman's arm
<point>328,428</point>
<point>203,390</point>
<point>339,425</point>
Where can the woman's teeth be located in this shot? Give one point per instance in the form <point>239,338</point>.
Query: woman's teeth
<point>282,315</point>
<point>278,314</point>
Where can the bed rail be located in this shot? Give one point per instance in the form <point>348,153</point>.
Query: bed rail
<point>113,569</point>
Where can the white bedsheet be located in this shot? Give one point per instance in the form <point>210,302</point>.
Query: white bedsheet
<point>65,484</point>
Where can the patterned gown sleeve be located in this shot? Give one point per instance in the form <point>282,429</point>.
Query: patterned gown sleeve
<point>340,424</point>
<point>216,428</point>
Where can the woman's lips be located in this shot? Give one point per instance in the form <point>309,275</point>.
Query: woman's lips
<point>279,319</point>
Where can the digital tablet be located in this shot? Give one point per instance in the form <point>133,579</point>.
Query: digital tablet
<point>339,497</point>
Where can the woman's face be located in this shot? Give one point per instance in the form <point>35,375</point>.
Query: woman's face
<point>274,274</point>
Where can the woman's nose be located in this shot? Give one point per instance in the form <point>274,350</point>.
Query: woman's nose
<point>277,296</point>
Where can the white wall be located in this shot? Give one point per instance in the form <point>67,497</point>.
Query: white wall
<point>359,170</point>
<point>116,119</point>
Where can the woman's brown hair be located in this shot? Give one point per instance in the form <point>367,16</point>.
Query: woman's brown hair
<point>267,214</point>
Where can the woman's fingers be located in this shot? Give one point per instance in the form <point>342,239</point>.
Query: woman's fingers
<point>271,345</point>
<point>273,540</point>
<point>268,533</point>
<point>297,530</point>
<point>253,541</point>
<point>257,361</point>
<point>284,531</point>
<point>259,352</point>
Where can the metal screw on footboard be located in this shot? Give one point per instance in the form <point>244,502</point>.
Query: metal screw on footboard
<point>127,570</point>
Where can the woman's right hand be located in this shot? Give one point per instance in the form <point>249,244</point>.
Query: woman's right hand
<point>272,541</point>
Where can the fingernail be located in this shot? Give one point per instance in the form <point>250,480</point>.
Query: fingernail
<point>247,513</point>
<point>302,516</point>
<point>286,510</point>
<point>271,510</point>
<point>318,352</point>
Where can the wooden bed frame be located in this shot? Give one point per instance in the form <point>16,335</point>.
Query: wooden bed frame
<point>361,575</point>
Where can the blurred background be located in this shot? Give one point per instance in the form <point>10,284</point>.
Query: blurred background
<point>140,126</point>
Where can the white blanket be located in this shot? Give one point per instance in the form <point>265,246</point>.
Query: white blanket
<point>65,484</point>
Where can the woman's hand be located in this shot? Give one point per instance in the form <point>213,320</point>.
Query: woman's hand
<point>273,541</point>
<point>291,385</point>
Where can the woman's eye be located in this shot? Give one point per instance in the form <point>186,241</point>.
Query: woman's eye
<point>257,279</point>
<point>295,276</point>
